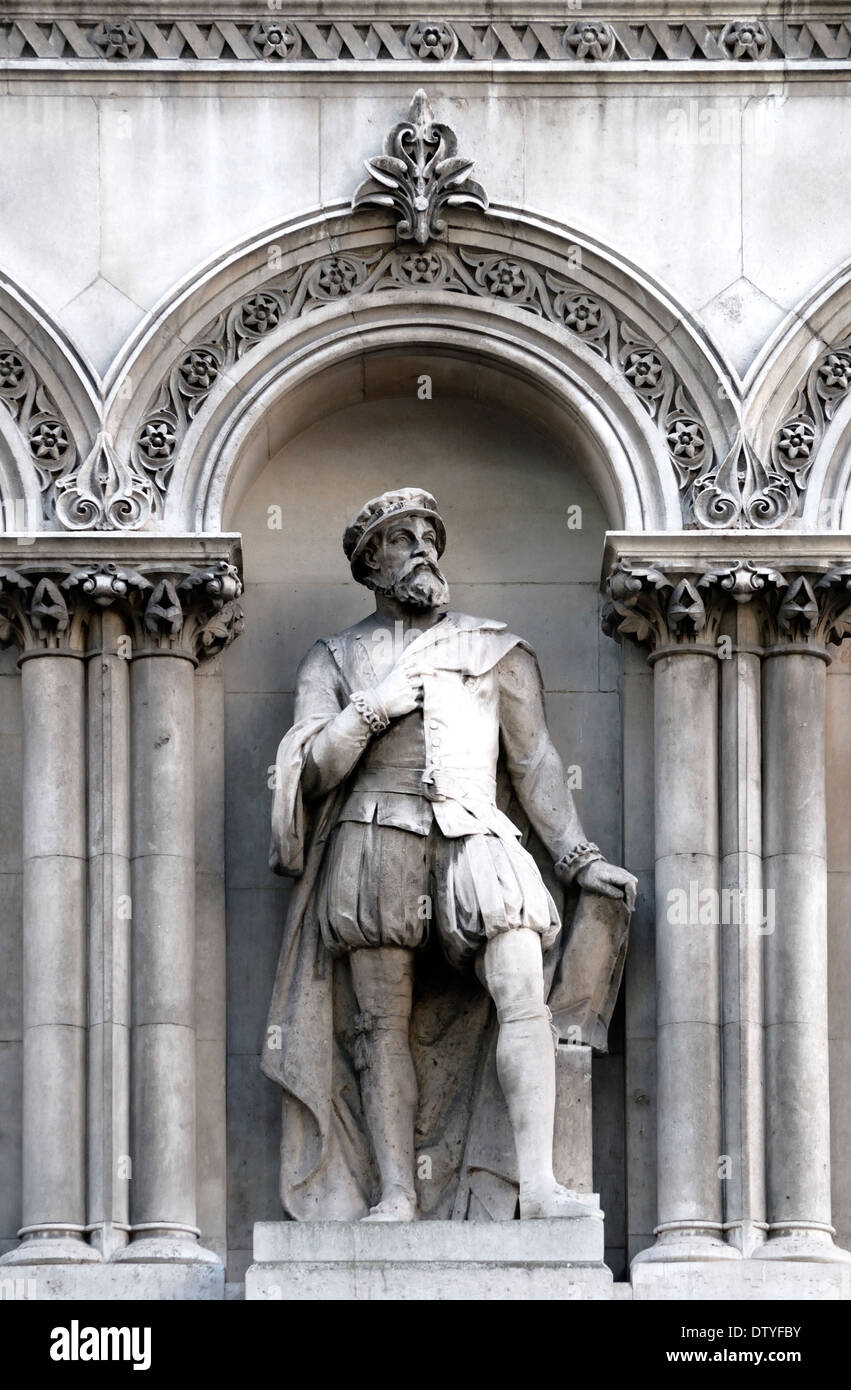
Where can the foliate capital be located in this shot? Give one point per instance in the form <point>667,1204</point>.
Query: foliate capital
<point>675,610</point>
<point>50,606</point>
<point>194,613</point>
<point>812,610</point>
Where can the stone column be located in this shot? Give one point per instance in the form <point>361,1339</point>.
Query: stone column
<point>640,973</point>
<point>54,924</point>
<point>744,923</point>
<point>806,614</point>
<point>673,618</point>
<point>210,955</point>
<point>184,620</point>
<point>109,1172</point>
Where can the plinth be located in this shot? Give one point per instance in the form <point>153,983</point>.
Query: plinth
<point>426,1260</point>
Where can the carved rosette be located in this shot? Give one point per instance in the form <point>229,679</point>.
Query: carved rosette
<point>190,611</point>
<point>431,38</point>
<point>745,40</point>
<point>796,440</point>
<point>591,40</point>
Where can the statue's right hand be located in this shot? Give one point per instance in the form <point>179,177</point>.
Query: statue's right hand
<point>400,692</point>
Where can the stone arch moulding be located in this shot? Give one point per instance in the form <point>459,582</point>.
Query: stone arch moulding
<point>49,412</point>
<point>799,402</point>
<point>603,346</point>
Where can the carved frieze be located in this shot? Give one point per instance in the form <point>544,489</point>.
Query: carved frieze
<point>277,40</point>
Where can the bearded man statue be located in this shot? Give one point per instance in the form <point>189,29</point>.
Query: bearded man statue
<point>386,810</point>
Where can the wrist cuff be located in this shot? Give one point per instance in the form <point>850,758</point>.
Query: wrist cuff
<point>586,852</point>
<point>371,711</point>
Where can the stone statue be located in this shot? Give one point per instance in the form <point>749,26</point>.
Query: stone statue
<point>411,727</point>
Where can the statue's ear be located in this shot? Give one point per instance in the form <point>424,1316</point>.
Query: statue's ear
<point>369,554</point>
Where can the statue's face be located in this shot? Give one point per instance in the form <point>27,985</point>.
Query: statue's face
<point>401,561</point>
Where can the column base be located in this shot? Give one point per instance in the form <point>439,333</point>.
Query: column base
<point>108,1281</point>
<point>165,1249</point>
<point>687,1244</point>
<point>745,1281</point>
<point>51,1250</point>
<point>802,1243</point>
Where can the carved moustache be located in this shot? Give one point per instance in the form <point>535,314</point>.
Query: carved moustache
<point>418,583</point>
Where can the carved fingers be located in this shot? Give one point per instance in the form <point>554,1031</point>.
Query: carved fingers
<point>610,880</point>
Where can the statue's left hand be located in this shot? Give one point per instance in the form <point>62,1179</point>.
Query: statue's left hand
<point>611,881</point>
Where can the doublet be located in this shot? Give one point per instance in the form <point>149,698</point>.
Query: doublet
<point>437,764</point>
<point>419,822</point>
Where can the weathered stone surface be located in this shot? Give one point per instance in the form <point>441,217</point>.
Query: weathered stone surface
<point>429,1260</point>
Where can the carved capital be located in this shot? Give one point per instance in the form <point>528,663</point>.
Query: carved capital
<point>810,611</point>
<point>194,612</point>
<point>40,611</point>
<point>669,609</point>
<point>679,611</point>
<point>191,611</point>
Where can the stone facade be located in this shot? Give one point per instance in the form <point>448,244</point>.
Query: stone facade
<point>614,339</point>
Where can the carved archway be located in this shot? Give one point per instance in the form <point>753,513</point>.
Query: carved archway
<point>49,411</point>
<point>603,345</point>
<point>799,402</point>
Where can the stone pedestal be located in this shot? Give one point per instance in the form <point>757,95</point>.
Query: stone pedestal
<point>429,1260</point>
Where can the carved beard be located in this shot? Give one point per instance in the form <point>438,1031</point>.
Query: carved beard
<point>418,584</point>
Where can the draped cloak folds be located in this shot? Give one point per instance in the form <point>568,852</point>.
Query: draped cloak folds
<point>466,1162</point>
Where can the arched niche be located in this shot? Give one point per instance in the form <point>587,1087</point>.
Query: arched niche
<point>515,474</point>
<point>496,287</point>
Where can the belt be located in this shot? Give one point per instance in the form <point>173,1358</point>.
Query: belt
<point>387,778</point>
<point>446,782</point>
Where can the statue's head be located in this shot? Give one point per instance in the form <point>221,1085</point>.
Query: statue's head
<point>393,546</point>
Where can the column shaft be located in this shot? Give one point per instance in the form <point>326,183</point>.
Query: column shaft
<point>109,935</point>
<point>163,876</point>
<point>795,850</point>
<point>742,931</point>
<point>687,955</point>
<point>54,911</point>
